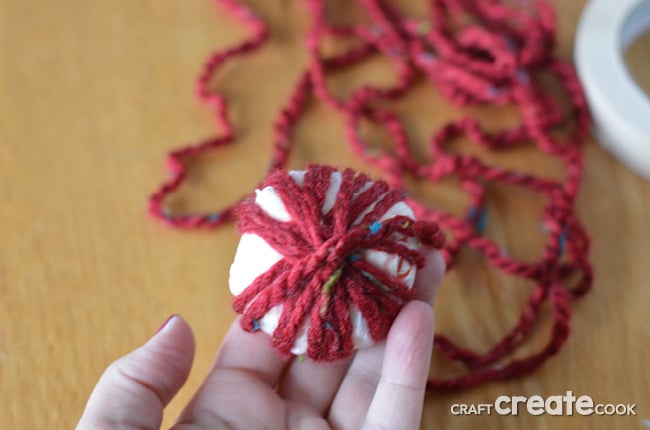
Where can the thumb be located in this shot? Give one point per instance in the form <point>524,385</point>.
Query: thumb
<point>133,391</point>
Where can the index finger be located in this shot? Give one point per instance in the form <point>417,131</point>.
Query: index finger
<point>245,359</point>
<point>250,352</point>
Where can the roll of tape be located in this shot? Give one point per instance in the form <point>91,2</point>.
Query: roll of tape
<point>621,110</point>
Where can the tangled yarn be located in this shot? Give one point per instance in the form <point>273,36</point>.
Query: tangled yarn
<point>474,52</point>
<point>324,266</point>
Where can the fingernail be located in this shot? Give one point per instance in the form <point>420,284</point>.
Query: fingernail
<point>166,323</point>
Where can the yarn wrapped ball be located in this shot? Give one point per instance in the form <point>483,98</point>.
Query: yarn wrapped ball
<point>326,260</point>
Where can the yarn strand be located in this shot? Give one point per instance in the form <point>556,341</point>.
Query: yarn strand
<point>475,52</point>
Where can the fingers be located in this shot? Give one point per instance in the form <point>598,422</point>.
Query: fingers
<point>250,352</point>
<point>357,390</point>
<point>248,360</point>
<point>133,391</point>
<point>244,361</point>
<point>398,401</point>
<point>316,384</point>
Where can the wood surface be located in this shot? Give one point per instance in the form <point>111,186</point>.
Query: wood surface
<point>93,94</point>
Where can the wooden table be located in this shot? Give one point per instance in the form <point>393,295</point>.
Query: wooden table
<point>91,98</point>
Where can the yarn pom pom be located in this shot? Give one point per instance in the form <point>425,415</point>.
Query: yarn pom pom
<point>326,260</point>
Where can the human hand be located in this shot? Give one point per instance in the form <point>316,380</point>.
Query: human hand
<point>250,387</point>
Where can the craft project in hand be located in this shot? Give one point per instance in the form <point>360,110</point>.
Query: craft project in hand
<point>326,260</point>
<point>476,54</point>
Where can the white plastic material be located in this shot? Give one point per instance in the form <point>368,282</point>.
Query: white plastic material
<point>255,256</point>
<point>621,110</point>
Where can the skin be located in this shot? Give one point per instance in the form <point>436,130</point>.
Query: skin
<point>249,386</point>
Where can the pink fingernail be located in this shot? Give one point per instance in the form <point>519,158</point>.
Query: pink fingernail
<point>171,317</point>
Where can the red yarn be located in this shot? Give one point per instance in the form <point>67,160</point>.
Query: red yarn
<point>321,272</point>
<point>492,60</point>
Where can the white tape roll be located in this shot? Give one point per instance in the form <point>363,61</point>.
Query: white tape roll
<point>621,110</point>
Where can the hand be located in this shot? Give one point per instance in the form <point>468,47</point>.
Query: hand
<point>250,387</point>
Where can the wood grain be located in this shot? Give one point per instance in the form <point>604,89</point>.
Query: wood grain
<point>92,95</point>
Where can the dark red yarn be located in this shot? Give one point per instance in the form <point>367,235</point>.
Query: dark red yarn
<point>494,57</point>
<point>321,272</point>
